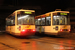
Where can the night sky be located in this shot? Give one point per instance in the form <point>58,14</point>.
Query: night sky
<point>45,5</point>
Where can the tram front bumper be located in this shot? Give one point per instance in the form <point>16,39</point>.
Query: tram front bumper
<point>27,34</point>
<point>57,33</point>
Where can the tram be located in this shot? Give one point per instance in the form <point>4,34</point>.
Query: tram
<point>53,23</point>
<point>21,23</point>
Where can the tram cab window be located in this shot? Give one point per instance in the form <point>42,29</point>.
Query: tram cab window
<point>63,20</point>
<point>43,21</point>
<point>31,20</point>
<point>60,20</point>
<point>48,20</point>
<point>25,19</point>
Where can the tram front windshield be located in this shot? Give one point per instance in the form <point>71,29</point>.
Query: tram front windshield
<point>25,19</point>
<point>60,20</point>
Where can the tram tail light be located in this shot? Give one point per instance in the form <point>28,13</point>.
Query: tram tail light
<point>69,30</point>
<point>33,29</point>
<point>61,30</point>
<point>23,30</point>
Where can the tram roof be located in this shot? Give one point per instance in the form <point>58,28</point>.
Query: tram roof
<point>54,12</point>
<point>47,14</point>
<point>21,10</point>
<point>58,11</point>
<point>25,10</point>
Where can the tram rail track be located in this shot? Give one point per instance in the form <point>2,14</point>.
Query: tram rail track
<point>9,46</point>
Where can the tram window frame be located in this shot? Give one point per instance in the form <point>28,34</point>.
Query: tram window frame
<point>49,22</point>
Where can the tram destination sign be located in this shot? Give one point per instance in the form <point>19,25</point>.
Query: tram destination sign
<point>28,12</point>
<point>25,12</point>
<point>62,13</point>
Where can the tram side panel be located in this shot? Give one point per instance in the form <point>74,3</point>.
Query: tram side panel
<point>40,29</point>
<point>50,30</point>
<point>8,29</point>
<point>46,29</point>
<point>54,30</point>
<point>12,30</point>
<point>57,30</point>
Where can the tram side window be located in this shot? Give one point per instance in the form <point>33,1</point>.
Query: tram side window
<point>8,22</point>
<point>48,20</point>
<point>43,21</point>
<point>13,20</point>
<point>56,20</point>
<point>36,21</point>
<point>39,21</point>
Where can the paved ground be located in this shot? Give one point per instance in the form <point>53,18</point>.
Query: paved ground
<point>5,47</point>
<point>70,36</point>
<point>8,42</point>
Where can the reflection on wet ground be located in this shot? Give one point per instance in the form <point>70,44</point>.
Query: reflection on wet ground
<point>27,46</point>
<point>36,43</point>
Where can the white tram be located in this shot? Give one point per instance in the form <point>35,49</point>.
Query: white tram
<point>21,23</point>
<point>53,23</point>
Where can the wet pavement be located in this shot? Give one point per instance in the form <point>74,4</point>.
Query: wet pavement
<point>9,42</point>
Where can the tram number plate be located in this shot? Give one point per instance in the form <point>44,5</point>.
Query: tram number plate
<point>28,30</point>
<point>64,29</point>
